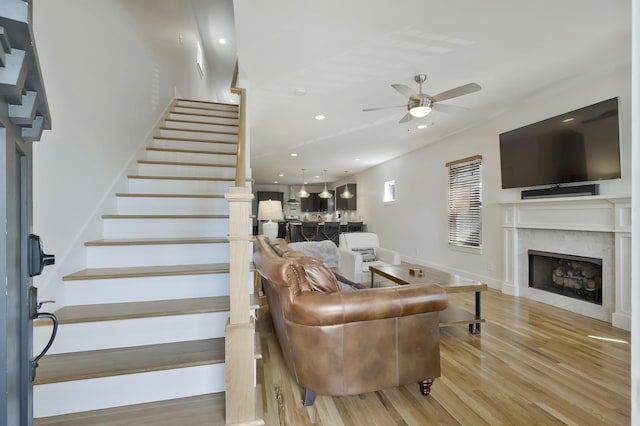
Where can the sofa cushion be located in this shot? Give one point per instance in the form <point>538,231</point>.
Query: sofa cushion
<point>368,253</point>
<point>324,250</point>
<point>318,277</point>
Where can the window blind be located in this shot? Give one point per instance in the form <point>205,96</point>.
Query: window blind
<point>465,202</point>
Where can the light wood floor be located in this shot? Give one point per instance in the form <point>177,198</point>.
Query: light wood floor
<point>531,364</point>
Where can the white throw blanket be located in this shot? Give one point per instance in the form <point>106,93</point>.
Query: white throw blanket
<point>324,250</point>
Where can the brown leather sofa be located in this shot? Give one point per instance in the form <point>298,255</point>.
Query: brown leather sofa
<point>349,342</point>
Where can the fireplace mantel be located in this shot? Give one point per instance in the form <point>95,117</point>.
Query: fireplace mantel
<point>571,218</point>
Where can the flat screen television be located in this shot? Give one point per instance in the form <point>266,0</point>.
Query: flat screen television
<point>578,146</point>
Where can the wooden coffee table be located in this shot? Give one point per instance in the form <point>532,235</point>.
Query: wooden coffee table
<point>450,283</point>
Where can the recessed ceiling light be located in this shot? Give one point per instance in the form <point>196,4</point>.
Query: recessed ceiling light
<point>422,126</point>
<point>293,154</point>
<point>317,176</point>
<point>357,159</point>
<point>275,181</point>
<point>280,175</point>
<point>232,100</point>
<point>566,120</point>
<point>320,117</point>
<point>222,41</point>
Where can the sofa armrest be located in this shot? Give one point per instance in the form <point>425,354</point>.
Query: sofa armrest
<point>391,257</point>
<point>350,264</point>
<point>319,309</point>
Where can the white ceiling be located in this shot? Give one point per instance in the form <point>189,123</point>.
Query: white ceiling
<point>346,54</point>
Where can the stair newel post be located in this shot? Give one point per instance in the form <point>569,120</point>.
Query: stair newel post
<point>239,333</point>
<point>240,364</point>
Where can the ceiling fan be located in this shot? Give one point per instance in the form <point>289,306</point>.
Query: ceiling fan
<point>420,104</point>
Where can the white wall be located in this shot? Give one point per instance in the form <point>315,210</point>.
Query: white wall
<point>110,67</point>
<point>635,235</point>
<point>416,224</point>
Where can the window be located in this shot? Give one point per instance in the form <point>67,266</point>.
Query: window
<point>389,191</point>
<point>465,202</point>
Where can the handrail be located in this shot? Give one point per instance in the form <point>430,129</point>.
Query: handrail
<point>242,119</point>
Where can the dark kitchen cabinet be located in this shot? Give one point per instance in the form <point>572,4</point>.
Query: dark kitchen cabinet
<point>316,204</point>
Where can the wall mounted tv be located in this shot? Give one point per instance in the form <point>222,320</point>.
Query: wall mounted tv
<point>579,146</point>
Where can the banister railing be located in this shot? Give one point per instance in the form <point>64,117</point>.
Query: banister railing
<point>241,161</point>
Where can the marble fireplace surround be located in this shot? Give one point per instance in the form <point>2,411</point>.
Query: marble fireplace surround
<point>593,226</point>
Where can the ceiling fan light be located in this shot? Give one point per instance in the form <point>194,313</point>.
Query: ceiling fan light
<point>420,111</point>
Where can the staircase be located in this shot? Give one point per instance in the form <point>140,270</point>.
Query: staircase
<point>145,321</point>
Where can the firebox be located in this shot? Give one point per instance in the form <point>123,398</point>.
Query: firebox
<point>568,275</point>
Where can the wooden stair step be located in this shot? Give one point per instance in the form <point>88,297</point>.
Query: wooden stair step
<point>155,241</point>
<point>216,132</point>
<point>167,138</point>
<point>147,271</point>
<point>206,103</point>
<point>215,179</point>
<point>133,195</point>
<point>183,163</point>
<point>176,120</point>
<point>165,216</point>
<point>195,114</point>
<point>190,151</point>
<point>205,409</point>
<point>70,366</point>
<point>75,314</point>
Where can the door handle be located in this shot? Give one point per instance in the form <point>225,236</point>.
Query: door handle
<point>38,259</point>
<point>34,362</point>
<point>34,307</point>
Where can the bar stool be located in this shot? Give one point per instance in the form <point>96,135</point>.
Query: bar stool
<point>354,226</point>
<point>332,231</point>
<point>309,230</point>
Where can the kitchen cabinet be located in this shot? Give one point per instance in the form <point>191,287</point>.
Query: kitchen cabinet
<point>316,204</point>
<point>346,203</point>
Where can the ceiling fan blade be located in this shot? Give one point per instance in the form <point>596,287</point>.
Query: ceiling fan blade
<point>388,107</point>
<point>406,118</point>
<point>405,90</point>
<point>450,109</point>
<point>458,91</point>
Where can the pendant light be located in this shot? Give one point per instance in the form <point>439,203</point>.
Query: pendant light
<point>303,192</point>
<point>325,193</point>
<point>346,194</point>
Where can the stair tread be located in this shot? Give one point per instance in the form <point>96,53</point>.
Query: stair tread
<point>167,138</point>
<point>133,195</point>
<point>154,241</point>
<point>207,409</point>
<point>184,163</point>
<point>74,314</point>
<point>195,114</point>
<point>190,151</point>
<point>226,104</point>
<point>147,271</point>
<point>214,179</point>
<point>64,367</point>
<point>177,120</point>
<point>165,216</point>
<point>217,132</point>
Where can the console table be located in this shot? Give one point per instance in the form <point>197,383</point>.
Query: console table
<point>400,274</point>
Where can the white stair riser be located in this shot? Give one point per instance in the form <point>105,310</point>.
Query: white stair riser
<point>145,169</point>
<point>191,108</point>
<point>201,118</point>
<point>165,228</point>
<point>196,104</point>
<point>179,186</point>
<point>172,205</point>
<point>156,255</point>
<point>98,335</point>
<point>93,394</point>
<point>195,145</point>
<point>140,289</point>
<point>207,127</point>
<point>191,157</point>
<point>185,134</point>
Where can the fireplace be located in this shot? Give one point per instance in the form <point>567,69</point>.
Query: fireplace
<point>573,276</point>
